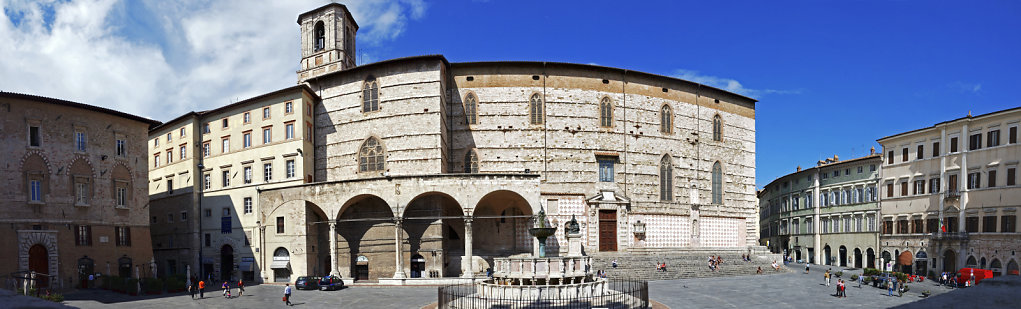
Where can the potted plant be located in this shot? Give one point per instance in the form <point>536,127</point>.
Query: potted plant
<point>926,293</point>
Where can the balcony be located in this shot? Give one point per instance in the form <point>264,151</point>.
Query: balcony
<point>952,195</point>
<point>949,236</point>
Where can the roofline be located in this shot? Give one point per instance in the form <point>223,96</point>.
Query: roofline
<point>622,71</point>
<point>346,12</point>
<point>871,156</point>
<point>304,87</point>
<point>382,63</point>
<point>31,97</point>
<point>880,140</point>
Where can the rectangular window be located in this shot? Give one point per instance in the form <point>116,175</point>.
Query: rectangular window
<point>81,193</point>
<point>246,118</point>
<point>225,145</point>
<point>248,205</point>
<point>35,188</point>
<point>860,169</point>
<point>989,224</point>
<point>265,113</point>
<point>205,128</point>
<point>904,154</point>
<point>247,175</point>
<point>123,236</point>
<point>170,157</point>
<point>226,211</point>
<point>974,181</point>
<point>992,178</point>
<point>226,178</point>
<point>170,218</point>
<point>280,225</point>
<point>847,171</point>
<point>182,132</point>
<point>289,131</point>
<point>206,181</point>
<point>993,138</point>
<point>904,188</point>
<point>916,226</point>
<point>1012,135</point>
<point>606,169</point>
<point>205,149</point>
<point>872,168</point>
<point>80,141</point>
<point>1011,176</point>
<point>246,140</point>
<point>902,226</point>
<point>267,172</point>
<point>953,144</point>
<point>170,186</point>
<point>889,190</point>
<point>1008,224</point>
<point>919,187</point>
<point>975,141</point>
<point>932,225</point>
<point>156,160</point>
<point>183,152</point>
<point>224,123</point>
<point>935,149</point>
<point>952,183</point>
<point>267,136</point>
<point>209,213</point>
<point>971,224</point>
<point>308,131</point>
<point>836,173</point>
<point>35,138</point>
<point>83,235</point>
<point>919,152</point>
<point>308,109</point>
<point>121,151</point>
<point>290,169</point>
<point>122,196</point>
<point>208,240</point>
<point>934,185</point>
<point>289,107</point>
<point>184,216</point>
<point>889,157</point>
<point>888,227</point>
<point>170,137</point>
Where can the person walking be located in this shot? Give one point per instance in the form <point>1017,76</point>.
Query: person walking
<point>226,289</point>
<point>202,289</point>
<point>241,287</point>
<point>827,277</point>
<point>287,294</point>
<point>889,287</point>
<point>806,267</point>
<point>861,279</point>
<point>838,288</point>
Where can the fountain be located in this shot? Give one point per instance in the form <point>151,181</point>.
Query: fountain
<point>541,232</point>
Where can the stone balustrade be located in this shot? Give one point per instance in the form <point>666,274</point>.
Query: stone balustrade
<point>563,269</point>
<point>492,290</point>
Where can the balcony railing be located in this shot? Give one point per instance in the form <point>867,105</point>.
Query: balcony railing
<point>950,195</point>
<point>960,236</point>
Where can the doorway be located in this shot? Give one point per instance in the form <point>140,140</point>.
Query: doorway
<point>950,261</point>
<point>361,268</point>
<point>870,258</point>
<point>827,257</point>
<point>607,230</point>
<point>857,258</point>
<point>843,256</point>
<point>39,262</point>
<point>417,266</point>
<point>86,267</point>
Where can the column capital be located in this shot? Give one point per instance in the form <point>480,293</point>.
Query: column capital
<point>468,220</point>
<point>333,225</point>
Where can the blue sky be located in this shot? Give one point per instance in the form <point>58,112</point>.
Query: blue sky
<point>831,76</point>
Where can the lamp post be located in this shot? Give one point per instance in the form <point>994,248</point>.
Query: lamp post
<point>199,215</point>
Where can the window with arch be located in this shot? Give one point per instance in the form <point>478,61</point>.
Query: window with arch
<point>370,95</point>
<point>666,122</point>
<point>606,113</point>
<point>666,179</point>
<point>535,112</point>
<point>319,36</point>
<point>370,156</point>
<point>717,190</point>
<point>717,128</point>
<point>471,162</point>
<point>471,109</point>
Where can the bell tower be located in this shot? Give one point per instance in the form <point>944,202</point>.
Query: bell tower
<point>327,41</point>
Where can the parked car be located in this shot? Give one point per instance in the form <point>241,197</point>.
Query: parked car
<point>306,283</point>
<point>330,283</point>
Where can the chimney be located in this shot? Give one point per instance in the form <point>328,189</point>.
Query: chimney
<point>799,168</point>
<point>820,163</point>
<point>829,160</point>
<point>836,158</point>
<point>872,151</point>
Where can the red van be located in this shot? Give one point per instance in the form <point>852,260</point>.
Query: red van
<point>964,275</point>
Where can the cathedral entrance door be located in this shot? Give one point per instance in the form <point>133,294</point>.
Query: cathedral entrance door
<point>607,230</point>
<point>39,262</point>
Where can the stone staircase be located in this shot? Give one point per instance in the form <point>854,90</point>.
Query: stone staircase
<point>684,263</point>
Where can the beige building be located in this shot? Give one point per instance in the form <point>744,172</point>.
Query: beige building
<point>963,173</point>
<point>220,159</point>
<point>73,196</point>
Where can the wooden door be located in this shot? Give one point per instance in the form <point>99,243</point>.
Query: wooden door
<point>607,230</point>
<point>39,261</point>
<point>361,272</point>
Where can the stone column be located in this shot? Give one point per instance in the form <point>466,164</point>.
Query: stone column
<point>333,249</point>
<point>467,267</point>
<point>399,271</point>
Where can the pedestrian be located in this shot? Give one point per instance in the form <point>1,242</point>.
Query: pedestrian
<point>191,289</point>
<point>827,277</point>
<point>202,289</point>
<point>614,263</point>
<point>838,288</point>
<point>241,287</point>
<point>226,289</point>
<point>889,287</point>
<point>861,279</point>
<point>287,294</point>
<point>806,267</point>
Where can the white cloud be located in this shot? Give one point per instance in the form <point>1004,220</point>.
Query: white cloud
<point>728,84</point>
<point>200,54</point>
<point>966,87</point>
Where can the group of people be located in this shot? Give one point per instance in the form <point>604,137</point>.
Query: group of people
<point>776,266</point>
<point>661,266</point>
<point>714,262</point>
<point>746,257</point>
<point>199,286</point>
<point>841,288</point>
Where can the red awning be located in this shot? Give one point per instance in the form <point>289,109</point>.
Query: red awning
<point>905,258</point>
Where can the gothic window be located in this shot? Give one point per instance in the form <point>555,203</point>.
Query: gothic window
<point>370,95</point>
<point>717,183</point>
<point>717,128</point>
<point>606,113</point>
<point>666,179</point>
<point>370,156</point>
<point>535,111</point>
<point>666,120</point>
<point>471,109</point>
<point>36,179</point>
<point>471,162</point>
<point>320,36</point>
<point>121,183</point>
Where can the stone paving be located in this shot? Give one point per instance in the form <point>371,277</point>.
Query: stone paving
<point>785,290</point>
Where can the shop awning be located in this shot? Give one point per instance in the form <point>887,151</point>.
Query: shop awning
<point>905,258</point>
<point>245,266</point>
<point>278,264</point>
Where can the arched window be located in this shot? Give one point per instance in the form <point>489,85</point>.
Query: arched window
<point>471,162</point>
<point>471,109</point>
<point>370,156</point>
<point>370,95</point>
<point>717,183</point>
<point>606,113</point>
<point>319,35</point>
<point>717,128</point>
<point>666,179</point>
<point>666,122</point>
<point>535,113</point>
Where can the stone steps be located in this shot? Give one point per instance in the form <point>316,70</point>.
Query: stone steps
<point>680,264</point>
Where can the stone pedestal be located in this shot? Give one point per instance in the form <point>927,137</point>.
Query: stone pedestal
<point>573,244</point>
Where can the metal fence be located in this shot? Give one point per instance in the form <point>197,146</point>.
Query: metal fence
<point>620,294</point>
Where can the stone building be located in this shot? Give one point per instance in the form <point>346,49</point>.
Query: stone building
<point>423,168</point>
<point>950,195</point>
<point>74,184</point>
<point>826,214</point>
<point>220,159</point>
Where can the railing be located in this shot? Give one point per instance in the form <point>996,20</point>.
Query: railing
<point>952,195</point>
<point>619,293</point>
<point>963,236</point>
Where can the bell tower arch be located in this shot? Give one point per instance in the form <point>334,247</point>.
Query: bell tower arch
<point>327,41</point>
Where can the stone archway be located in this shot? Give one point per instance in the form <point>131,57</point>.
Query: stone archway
<point>433,223</point>
<point>365,225</point>
<point>950,261</point>
<point>27,239</point>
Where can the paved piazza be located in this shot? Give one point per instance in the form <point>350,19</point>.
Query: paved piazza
<point>787,290</point>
